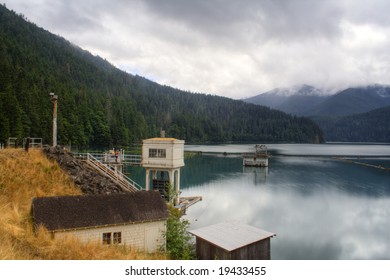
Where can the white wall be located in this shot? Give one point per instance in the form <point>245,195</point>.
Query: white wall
<point>144,236</point>
<point>174,153</point>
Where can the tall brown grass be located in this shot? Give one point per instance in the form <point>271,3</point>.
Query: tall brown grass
<point>24,176</point>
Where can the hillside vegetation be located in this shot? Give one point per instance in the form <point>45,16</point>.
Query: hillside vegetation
<point>27,175</point>
<point>101,106</point>
<point>358,114</point>
<point>373,126</point>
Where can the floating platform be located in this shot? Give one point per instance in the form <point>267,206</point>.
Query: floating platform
<point>259,158</point>
<point>255,161</point>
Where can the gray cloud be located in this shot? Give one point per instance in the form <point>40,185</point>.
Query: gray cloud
<point>270,18</point>
<point>375,12</point>
<point>231,48</point>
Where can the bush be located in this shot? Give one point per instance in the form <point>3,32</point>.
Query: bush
<point>179,245</point>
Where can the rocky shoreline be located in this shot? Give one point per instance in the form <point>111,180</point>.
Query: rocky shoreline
<point>84,177</point>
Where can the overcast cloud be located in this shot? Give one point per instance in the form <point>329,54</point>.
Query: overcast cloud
<point>227,47</point>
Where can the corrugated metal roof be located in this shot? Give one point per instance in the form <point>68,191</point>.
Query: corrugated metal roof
<point>231,235</point>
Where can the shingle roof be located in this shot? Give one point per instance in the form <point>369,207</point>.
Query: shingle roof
<point>230,235</point>
<point>71,212</point>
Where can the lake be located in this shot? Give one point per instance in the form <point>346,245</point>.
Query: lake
<point>319,207</point>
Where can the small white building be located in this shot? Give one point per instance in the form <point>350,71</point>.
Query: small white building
<point>161,156</point>
<point>137,220</point>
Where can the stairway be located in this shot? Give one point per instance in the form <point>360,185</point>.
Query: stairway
<point>118,177</point>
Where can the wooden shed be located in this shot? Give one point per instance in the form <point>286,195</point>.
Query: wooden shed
<point>232,241</point>
<point>133,219</point>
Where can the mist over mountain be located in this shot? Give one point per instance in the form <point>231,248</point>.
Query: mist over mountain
<point>352,101</point>
<point>102,106</point>
<point>337,113</point>
<point>305,100</point>
<point>294,100</point>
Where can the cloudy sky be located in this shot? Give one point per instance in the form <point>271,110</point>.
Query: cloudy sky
<point>228,47</point>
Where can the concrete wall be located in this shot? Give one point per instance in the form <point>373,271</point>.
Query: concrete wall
<point>144,237</point>
<point>174,153</point>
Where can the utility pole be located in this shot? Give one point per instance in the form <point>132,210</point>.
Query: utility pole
<point>54,99</point>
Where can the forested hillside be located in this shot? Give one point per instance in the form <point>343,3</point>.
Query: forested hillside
<point>352,101</point>
<point>373,126</point>
<point>101,106</point>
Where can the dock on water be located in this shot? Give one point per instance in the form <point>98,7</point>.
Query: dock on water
<point>186,202</point>
<point>258,158</point>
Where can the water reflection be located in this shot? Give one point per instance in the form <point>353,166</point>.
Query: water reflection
<point>332,149</point>
<point>305,175</point>
<point>259,175</point>
<point>319,208</point>
<point>199,170</point>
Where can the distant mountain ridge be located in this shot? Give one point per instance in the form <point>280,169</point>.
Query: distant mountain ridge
<point>352,114</point>
<point>352,101</point>
<point>305,100</point>
<point>293,100</point>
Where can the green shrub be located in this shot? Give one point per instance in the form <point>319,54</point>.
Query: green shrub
<point>179,245</point>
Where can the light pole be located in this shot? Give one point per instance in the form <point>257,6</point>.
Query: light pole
<point>54,99</point>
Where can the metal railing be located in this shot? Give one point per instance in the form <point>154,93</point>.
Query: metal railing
<point>134,160</point>
<point>125,182</point>
<point>84,156</point>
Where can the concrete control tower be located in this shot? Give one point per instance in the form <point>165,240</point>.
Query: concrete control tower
<point>162,158</point>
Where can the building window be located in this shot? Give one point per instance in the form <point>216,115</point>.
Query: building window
<point>117,238</point>
<point>112,238</point>
<point>157,153</point>
<point>107,238</point>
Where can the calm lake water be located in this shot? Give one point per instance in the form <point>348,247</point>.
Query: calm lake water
<point>318,206</point>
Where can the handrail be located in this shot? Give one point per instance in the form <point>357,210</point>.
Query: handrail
<point>116,175</point>
<point>103,157</point>
<point>133,183</point>
<point>132,159</point>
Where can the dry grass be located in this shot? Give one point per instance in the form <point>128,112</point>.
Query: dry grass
<point>27,175</point>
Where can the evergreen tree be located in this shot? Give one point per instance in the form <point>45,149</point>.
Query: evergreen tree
<point>101,106</point>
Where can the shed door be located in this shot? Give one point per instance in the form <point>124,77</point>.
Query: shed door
<point>152,239</point>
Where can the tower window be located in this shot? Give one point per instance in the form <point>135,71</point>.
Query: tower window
<point>157,153</point>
